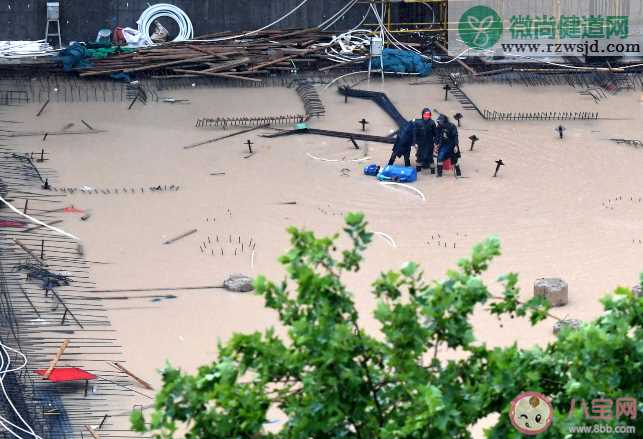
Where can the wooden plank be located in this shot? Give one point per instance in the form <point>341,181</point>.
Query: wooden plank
<point>43,108</point>
<point>181,236</point>
<point>268,48</point>
<point>91,431</point>
<point>217,75</point>
<point>226,66</point>
<point>134,377</point>
<point>200,49</point>
<point>221,52</point>
<point>48,133</point>
<point>56,359</point>
<point>170,63</point>
<point>216,139</point>
<point>151,66</point>
<point>274,61</point>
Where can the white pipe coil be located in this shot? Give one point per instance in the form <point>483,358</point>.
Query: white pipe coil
<point>186,31</point>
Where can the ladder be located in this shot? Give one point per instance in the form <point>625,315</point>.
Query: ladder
<point>53,16</point>
<point>376,48</point>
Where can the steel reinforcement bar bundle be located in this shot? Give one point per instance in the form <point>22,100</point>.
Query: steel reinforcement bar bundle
<point>453,82</point>
<point>227,122</point>
<point>542,115</point>
<point>306,91</point>
<point>64,89</point>
<point>610,81</point>
<point>311,99</point>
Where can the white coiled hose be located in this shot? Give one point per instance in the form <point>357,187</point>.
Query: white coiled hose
<point>349,46</point>
<point>186,31</point>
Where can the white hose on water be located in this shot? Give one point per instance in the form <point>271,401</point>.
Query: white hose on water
<point>390,240</point>
<point>322,159</point>
<point>390,183</point>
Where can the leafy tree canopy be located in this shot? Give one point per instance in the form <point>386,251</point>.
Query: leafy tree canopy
<point>331,379</point>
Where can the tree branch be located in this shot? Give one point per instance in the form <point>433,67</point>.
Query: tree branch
<point>369,379</point>
<point>522,303</point>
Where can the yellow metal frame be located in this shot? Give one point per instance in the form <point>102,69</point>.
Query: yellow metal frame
<point>420,26</point>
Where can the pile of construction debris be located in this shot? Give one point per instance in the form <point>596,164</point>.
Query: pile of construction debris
<point>218,55</point>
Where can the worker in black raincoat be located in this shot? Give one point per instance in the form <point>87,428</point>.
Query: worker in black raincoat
<point>403,144</point>
<point>425,133</point>
<point>447,146</point>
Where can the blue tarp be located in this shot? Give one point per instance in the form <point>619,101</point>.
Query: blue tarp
<point>73,56</point>
<point>403,61</point>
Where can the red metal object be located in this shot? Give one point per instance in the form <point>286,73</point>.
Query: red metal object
<point>12,224</point>
<point>72,209</point>
<point>64,374</point>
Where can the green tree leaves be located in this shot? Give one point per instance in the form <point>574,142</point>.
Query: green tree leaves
<point>331,379</point>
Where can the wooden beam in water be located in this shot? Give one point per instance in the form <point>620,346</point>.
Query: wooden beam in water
<point>134,377</point>
<point>181,236</point>
<point>43,108</point>
<point>216,139</point>
<point>56,359</point>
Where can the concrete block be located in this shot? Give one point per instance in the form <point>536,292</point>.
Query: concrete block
<point>553,289</point>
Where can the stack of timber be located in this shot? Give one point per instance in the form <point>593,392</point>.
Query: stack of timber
<point>246,58</point>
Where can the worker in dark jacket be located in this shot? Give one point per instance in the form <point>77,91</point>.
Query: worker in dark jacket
<point>403,144</point>
<point>425,133</point>
<point>447,145</point>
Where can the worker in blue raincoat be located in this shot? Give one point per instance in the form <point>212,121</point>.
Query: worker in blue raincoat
<point>447,146</point>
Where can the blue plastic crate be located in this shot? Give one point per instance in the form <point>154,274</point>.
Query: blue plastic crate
<point>399,174</point>
<point>371,170</point>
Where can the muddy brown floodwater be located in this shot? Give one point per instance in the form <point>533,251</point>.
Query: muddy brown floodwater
<point>569,209</point>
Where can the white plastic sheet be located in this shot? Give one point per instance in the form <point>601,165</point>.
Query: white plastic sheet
<point>21,49</point>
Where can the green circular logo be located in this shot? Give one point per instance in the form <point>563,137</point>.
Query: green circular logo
<point>480,27</point>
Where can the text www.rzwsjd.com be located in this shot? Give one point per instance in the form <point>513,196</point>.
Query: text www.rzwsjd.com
<point>585,48</point>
